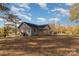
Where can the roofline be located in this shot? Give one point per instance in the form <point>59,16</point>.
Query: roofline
<point>29,24</point>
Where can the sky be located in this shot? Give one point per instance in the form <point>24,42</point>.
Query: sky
<point>41,13</point>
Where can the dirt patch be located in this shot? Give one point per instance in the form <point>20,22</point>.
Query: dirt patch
<point>40,46</point>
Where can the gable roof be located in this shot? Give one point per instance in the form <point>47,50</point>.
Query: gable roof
<point>33,25</point>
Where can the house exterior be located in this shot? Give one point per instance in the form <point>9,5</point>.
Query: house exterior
<point>33,29</point>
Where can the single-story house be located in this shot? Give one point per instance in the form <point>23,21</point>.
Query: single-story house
<point>30,29</point>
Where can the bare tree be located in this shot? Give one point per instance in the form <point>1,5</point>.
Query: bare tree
<point>4,9</point>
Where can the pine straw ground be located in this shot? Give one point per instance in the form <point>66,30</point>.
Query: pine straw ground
<point>40,46</point>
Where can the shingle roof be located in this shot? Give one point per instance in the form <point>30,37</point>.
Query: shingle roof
<point>33,25</point>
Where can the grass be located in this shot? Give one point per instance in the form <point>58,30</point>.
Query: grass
<point>55,45</point>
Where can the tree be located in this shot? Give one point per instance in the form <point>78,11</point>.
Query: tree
<point>74,12</point>
<point>15,20</point>
<point>9,18</point>
<point>6,30</point>
<point>5,10</point>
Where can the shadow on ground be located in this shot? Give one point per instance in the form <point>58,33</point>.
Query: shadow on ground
<point>40,46</point>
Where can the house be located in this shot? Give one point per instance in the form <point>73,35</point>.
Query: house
<point>30,29</point>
